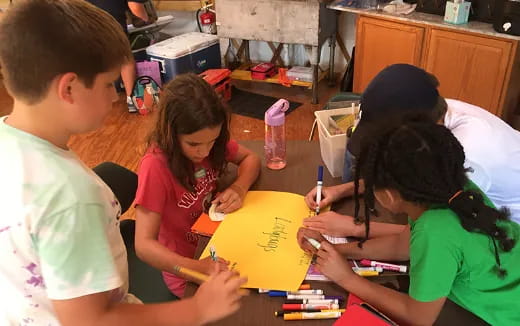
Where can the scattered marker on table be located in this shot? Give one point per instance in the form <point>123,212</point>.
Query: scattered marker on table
<point>299,292</point>
<point>313,296</point>
<point>282,313</point>
<point>304,286</point>
<point>385,266</point>
<point>299,307</point>
<point>312,315</point>
<point>312,301</point>
<point>367,273</point>
<point>376,269</point>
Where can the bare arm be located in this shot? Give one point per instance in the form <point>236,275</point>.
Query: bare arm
<point>338,225</point>
<point>248,169</point>
<point>95,309</point>
<point>347,189</point>
<point>216,298</point>
<point>331,194</point>
<point>138,9</point>
<point>396,305</point>
<point>149,249</point>
<point>391,247</point>
<point>378,229</point>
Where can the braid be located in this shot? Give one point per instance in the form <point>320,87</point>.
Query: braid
<point>367,160</point>
<point>357,174</point>
<point>424,162</point>
<point>476,216</point>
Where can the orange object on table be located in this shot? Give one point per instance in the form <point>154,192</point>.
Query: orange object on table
<point>204,225</point>
<point>282,77</point>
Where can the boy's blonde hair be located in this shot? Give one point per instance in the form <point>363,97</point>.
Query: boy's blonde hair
<point>42,39</point>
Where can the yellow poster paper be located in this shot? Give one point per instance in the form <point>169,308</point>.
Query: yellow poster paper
<point>260,240</point>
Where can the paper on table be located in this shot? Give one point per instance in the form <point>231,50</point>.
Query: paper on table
<point>260,240</point>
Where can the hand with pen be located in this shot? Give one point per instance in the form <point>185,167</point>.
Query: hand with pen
<point>208,265</point>
<point>332,264</point>
<point>304,234</point>
<point>219,296</point>
<point>328,196</point>
<point>330,223</point>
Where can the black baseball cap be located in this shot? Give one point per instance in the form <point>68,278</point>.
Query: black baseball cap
<point>399,89</point>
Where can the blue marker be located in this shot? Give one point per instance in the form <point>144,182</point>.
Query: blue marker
<point>213,253</point>
<point>318,188</point>
<point>301,292</point>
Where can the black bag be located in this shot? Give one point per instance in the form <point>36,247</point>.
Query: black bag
<point>481,10</point>
<point>507,18</point>
<point>347,83</point>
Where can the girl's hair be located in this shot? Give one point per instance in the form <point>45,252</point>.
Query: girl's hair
<point>189,104</point>
<point>424,162</point>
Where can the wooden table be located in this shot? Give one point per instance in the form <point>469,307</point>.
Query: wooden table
<point>299,177</point>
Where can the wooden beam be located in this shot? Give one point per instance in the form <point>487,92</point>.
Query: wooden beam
<point>167,5</point>
<point>241,51</point>
<point>276,54</point>
<point>342,47</point>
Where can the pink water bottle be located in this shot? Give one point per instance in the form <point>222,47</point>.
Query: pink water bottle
<point>275,135</point>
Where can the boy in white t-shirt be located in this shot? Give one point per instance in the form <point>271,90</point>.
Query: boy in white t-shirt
<point>63,261</point>
<point>491,147</point>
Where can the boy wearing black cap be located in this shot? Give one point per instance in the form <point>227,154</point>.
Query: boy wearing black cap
<point>491,146</point>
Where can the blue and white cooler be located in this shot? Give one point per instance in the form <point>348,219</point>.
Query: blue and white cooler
<point>190,52</point>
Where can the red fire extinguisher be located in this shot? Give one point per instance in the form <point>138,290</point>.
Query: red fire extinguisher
<point>206,20</point>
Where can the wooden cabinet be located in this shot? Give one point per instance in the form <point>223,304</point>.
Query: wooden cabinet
<point>380,43</point>
<point>469,68</point>
<point>475,68</point>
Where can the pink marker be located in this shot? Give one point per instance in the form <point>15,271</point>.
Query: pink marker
<point>386,266</point>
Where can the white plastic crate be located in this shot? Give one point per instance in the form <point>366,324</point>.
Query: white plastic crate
<point>332,146</point>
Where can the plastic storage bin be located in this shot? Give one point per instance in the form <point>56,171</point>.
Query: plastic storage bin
<point>332,147</point>
<point>300,74</point>
<point>191,52</point>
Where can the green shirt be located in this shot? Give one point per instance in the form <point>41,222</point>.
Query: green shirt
<point>448,261</point>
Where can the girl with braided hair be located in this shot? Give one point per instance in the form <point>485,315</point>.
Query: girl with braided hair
<point>460,247</point>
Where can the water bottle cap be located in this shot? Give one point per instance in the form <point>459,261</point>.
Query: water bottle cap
<point>275,115</point>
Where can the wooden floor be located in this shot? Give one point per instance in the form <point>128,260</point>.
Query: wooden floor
<point>122,138</point>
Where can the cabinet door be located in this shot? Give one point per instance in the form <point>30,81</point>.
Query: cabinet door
<point>469,68</point>
<point>380,43</point>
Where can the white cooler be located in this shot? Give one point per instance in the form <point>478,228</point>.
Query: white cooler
<point>190,52</point>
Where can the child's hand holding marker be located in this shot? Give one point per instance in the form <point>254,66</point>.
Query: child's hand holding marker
<point>332,264</point>
<point>230,199</point>
<point>219,296</point>
<point>302,236</point>
<point>328,196</point>
<point>207,265</point>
